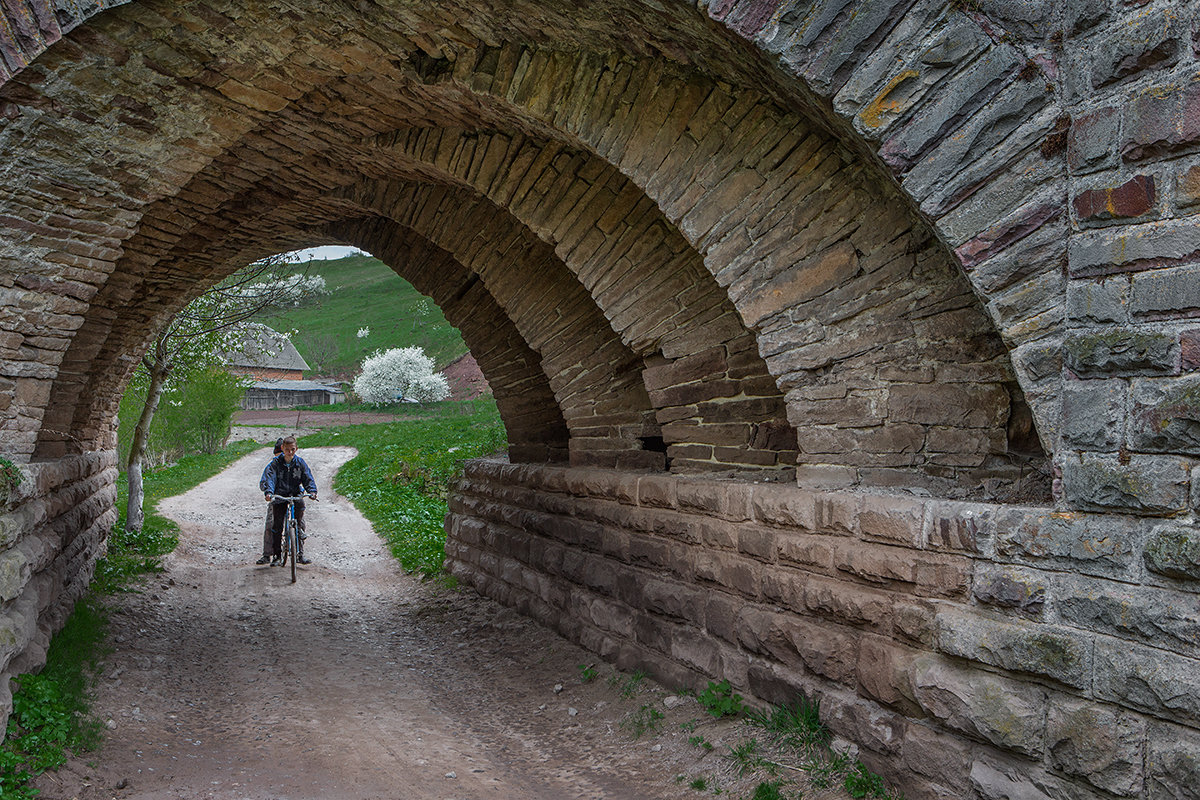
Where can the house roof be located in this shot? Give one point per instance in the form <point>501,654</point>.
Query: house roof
<point>264,348</point>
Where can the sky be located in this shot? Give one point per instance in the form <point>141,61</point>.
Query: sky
<point>323,253</point>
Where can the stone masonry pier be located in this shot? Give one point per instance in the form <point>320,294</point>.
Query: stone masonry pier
<point>845,347</point>
<point>1017,651</point>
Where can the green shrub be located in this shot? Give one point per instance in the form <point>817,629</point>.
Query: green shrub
<point>719,700</point>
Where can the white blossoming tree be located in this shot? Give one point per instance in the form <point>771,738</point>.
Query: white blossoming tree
<point>403,373</point>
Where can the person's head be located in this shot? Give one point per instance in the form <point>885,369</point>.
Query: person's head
<point>288,447</point>
<point>279,445</point>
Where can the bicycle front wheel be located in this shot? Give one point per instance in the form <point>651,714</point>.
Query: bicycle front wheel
<point>292,544</point>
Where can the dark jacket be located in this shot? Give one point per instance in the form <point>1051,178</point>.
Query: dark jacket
<point>287,480</point>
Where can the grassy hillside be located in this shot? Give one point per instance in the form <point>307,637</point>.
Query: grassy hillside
<point>365,293</point>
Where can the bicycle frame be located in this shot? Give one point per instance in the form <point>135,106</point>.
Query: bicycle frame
<point>290,544</point>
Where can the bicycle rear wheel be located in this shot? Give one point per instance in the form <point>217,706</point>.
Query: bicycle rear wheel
<point>292,543</point>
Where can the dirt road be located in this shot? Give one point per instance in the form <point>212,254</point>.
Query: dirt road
<point>229,682</point>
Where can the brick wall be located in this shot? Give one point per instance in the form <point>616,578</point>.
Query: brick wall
<point>1014,650</point>
<point>52,530</point>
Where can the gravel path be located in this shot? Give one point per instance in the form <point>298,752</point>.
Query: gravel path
<point>229,682</point>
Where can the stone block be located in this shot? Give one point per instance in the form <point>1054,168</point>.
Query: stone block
<point>847,603</point>
<point>1161,119</point>
<point>894,519</point>
<point>1132,247</point>
<point>1088,543</point>
<point>1121,351</point>
<point>836,513</point>
<point>868,726</point>
<point>1094,302</point>
<point>724,569</point>
<point>1174,551</point>
<point>1134,198</point>
<point>915,621</point>
<point>784,506</point>
<point>758,543</point>
<point>1172,763</point>
<point>1165,292</point>
<point>885,672</point>
<point>1008,714</point>
<point>804,550</point>
<point>875,564</point>
<point>1189,350</point>
<point>955,405</point>
<point>1145,42</point>
<point>1144,485</point>
<point>1164,416</point>
<point>960,527</point>
<point>992,778</point>
<point>1187,187</point>
<point>1101,744</point>
<point>1093,414</point>
<point>936,755</point>
<point>1156,617</point>
<point>1081,15</point>
<point>658,492</point>
<point>1092,141</point>
<point>1060,653</point>
<point>1005,587</point>
<point>1155,681</point>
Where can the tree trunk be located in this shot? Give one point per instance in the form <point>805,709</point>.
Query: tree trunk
<point>158,369</point>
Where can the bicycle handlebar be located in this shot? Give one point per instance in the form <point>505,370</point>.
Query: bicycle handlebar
<point>312,497</point>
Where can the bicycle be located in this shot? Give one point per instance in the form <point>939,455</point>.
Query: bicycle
<point>290,549</point>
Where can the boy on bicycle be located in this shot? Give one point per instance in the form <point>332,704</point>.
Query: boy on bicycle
<point>287,475</point>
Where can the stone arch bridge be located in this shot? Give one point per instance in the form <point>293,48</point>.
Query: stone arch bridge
<point>845,347</point>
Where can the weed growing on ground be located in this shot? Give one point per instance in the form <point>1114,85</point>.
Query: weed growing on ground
<point>699,784</point>
<point>797,725</point>
<point>644,720</point>
<point>631,684</point>
<point>688,726</point>
<point>746,756</point>
<point>769,790</point>
<point>719,700</point>
<point>701,742</point>
<point>861,782</point>
<point>587,673</point>
<point>824,772</point>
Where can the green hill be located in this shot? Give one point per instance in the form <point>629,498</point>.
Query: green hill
<point>365,293</point>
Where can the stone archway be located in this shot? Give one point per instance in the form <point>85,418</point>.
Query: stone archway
<point>871,241</point>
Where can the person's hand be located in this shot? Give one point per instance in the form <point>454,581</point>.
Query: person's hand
<point>267,495</point>
<point>312,497</point>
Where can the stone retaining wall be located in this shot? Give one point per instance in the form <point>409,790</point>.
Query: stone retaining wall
<point>52,529</point>
<point>1019,651</point>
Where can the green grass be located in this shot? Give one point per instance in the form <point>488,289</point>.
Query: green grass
<point>364,292</point>
<point>400,477</point>
<point>797,725</point>
<point>50,716</point>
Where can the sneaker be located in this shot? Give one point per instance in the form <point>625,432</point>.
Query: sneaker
<point>303,559</point>
<point>264,560</point>
<point>276,561</point>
